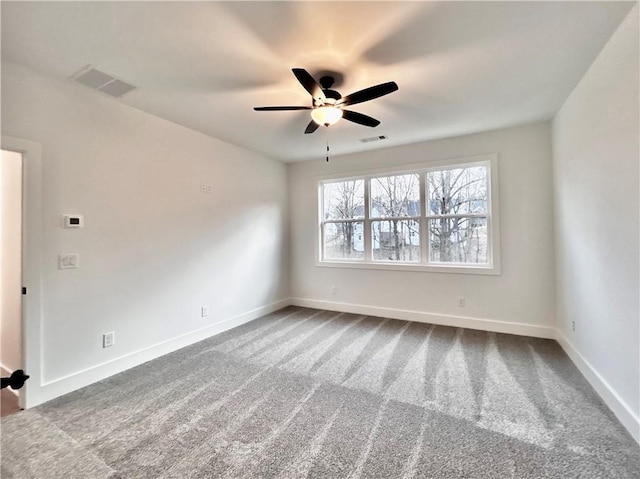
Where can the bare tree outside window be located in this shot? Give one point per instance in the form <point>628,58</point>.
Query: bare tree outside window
<point>395,218</point>
<point>343,204</point>
<point>457,215</point>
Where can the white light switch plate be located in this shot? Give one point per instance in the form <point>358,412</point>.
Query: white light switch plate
<point>68,261</point>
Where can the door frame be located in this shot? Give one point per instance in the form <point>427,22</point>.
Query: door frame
<point>31,327</point>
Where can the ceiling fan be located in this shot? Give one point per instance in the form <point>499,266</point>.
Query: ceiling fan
<point>327,106</point>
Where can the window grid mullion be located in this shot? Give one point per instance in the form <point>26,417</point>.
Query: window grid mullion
<point>469,215</point>
<point>346,220</point>
<point>424,226</point>
<point>395,218</point>
<point>368,240</point>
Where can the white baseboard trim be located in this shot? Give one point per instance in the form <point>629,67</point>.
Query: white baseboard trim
<point>79,379</point>
<point>9,371</point>
<point>520,329</point>
<point>57,387</point>
<point>622,411</point>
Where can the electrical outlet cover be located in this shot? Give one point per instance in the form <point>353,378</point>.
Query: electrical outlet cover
<point>108,339</point>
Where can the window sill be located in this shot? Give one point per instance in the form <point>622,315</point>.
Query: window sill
<point>416,268</point>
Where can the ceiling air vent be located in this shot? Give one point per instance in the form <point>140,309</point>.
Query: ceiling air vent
<point>373,138</point>
<point>103,82</point>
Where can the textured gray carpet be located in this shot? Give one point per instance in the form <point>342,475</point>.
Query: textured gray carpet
<point>308,393</point>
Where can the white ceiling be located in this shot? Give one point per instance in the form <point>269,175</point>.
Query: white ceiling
<point>461,67</point>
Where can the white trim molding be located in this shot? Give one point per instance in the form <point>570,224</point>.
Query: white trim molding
<point>481,324</point>
<point>31,265</point>
<point>66,384</point>
<point>622,411</point>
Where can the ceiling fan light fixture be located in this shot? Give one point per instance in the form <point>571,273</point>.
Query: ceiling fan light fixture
<point>326,115</point>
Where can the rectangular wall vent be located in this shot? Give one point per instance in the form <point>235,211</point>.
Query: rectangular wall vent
<point>103,82</point>
<point>373,138</point>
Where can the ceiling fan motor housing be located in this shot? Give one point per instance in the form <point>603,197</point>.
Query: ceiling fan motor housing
<point>331,95</point>
<point>326,81</point>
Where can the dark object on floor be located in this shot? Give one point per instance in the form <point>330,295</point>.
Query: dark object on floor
<point>16,380</point>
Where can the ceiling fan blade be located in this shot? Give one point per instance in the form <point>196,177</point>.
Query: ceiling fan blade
<point>311,127</point>
<point>309,84</point>
<point>281,108</point>
<point>359,118</point>
<point>369,93</point>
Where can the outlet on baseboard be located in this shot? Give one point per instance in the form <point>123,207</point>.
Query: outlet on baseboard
<point>204,311</point>
<point>108,339</point>
<point>573,326</point>
<point>333,290</point>
<point>462,302</point>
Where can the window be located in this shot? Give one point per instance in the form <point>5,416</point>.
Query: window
<point>395,218</point>
<point>434,217</point>
<point>342,225</point>
<point>458,214</point>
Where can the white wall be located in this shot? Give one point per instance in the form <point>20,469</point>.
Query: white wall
<point>596,156</point>
<point>154,248</point>
<point>10,259</point>
<point>522,297</point>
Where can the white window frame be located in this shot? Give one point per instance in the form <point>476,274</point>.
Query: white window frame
<point>493,266</point>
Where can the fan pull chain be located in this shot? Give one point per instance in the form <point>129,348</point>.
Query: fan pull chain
<point>326,139</point>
